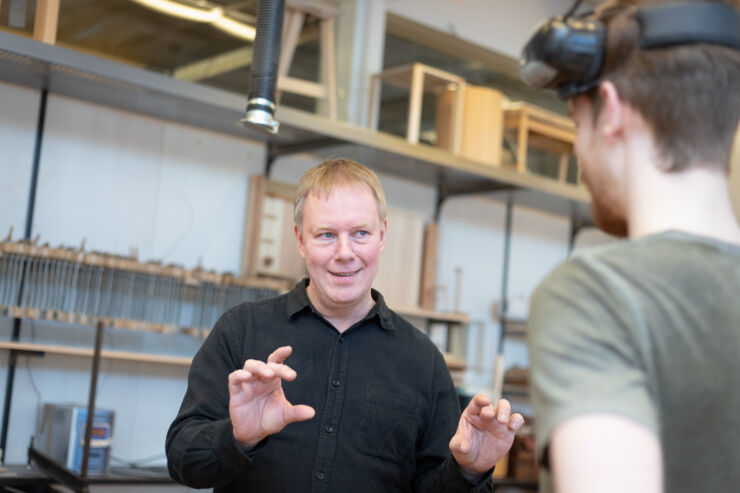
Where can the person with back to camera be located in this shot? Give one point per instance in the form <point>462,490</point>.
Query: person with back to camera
<point>367,403</point>
<point>634,345</point>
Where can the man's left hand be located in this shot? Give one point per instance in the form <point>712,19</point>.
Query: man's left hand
<point>484,435</point>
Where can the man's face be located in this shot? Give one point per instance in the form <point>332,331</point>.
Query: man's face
<point>341,241</point>
<point>597,171</point>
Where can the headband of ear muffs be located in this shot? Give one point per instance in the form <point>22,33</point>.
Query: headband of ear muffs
<point>566,53</point>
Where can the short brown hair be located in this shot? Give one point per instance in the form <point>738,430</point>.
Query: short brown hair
<point>688,94</point>
<point>327,176</point>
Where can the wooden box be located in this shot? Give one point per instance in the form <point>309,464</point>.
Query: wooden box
<point>482,124</point>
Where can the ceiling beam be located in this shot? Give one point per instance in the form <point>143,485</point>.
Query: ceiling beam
<point>227,61</point>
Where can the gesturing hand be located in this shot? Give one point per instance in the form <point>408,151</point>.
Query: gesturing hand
<point>257,404</point>
<point>484,435</point>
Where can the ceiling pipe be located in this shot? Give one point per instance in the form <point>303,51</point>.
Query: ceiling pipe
<point>263,78</point>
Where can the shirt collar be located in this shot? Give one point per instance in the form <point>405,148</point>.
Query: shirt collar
<point>298,301</point>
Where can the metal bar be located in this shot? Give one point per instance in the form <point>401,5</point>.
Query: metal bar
<point>575,227</point>
<point>311,145</point>
<point>57,471</point>
<point>441,199</point>
<point>505,273</point>
<point>91,397</point>
<point>12,360</point>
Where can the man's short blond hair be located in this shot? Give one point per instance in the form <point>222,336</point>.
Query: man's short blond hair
<point>332,174</point>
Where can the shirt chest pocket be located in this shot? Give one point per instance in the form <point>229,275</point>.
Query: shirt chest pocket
<point>388,425</point>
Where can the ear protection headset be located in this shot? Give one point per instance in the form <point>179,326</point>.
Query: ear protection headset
<point>566,53</point>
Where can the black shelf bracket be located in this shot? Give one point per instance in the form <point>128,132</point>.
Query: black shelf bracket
<point>56,471</point>
<point>275,150</point>
<point>576,225</point>
<point>445,192</point>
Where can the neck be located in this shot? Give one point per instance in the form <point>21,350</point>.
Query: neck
<point>695,201</point>
<point>342,317</point>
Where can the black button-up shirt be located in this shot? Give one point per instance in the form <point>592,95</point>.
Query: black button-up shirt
<point>385,405</point>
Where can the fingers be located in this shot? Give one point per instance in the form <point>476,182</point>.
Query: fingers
<point>477,404</point>
<point>482,407</point>
<point>280,354</point>
<point>300,412</point>
<point>237,379</point>
<point>515,422</point>
<point>503,411</point>
<point>266,372</point>
<point>504,416</point>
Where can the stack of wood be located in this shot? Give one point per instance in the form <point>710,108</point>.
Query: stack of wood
<point>75,286</point>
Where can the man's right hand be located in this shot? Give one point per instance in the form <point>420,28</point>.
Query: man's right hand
<point>257,405</point>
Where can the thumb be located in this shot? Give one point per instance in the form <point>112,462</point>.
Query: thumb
<point>460,444</point>
<point>301,412</point>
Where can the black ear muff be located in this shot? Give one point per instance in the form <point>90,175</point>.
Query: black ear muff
<point>566,54</point>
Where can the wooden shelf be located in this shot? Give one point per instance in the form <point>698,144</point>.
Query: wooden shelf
<point>433,316</point>
<point>66,72</point>
<point>88,352</point>
<point>514,327</point>
<point>515,390</point>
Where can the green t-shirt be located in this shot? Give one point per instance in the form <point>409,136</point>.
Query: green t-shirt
<point>648,329</point>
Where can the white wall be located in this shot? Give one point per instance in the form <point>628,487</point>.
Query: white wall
<point>123,180</point>
<point>501,25</point>
<point>18,115</point>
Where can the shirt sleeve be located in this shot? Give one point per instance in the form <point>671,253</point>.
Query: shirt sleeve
<point>585,349</point>
<point>200,445</point>
<point>437,469</point>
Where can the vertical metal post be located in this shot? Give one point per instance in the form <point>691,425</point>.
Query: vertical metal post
<point>91,398</point>
<point>13,358</point>
<point>575,227</point>
<point>505,272</point>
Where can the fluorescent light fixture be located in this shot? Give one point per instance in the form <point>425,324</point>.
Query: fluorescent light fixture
<point>208,14</point>
<point>177,9</point>
<point>235,28</point>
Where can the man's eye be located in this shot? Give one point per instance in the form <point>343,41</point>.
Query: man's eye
<point>362,233</point>
<point>325,235</point>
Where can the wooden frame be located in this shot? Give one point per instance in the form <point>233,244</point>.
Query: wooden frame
<point>261,191</point>
<point>46,21</point>
<point>419,78</point>
<point>540,128</point>
<point>295,15</point>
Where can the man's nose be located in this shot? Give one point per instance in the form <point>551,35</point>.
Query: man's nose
<point>344,248</point>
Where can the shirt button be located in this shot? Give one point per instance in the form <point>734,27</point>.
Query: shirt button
<point>328,428</point>
<point>335,382</point>
<point>320,476</point>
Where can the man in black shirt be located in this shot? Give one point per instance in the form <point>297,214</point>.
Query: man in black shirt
<point>378,412</point>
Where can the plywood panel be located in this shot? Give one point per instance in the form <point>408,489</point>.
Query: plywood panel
<point>429,267</point>
<point>735,175</point>
<point>269,244</point>
<point>399,274</point>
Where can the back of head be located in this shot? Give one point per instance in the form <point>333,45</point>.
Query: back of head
<point>332,174</point>
<point>689,94</point>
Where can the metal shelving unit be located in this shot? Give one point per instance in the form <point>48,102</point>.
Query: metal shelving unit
<point>59,71</point>
<point>66,72</point>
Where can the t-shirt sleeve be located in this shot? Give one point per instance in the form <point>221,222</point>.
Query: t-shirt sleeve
<point>586,356</point>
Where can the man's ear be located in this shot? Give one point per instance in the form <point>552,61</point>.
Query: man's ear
<point>299,239</point>
<point>383,231</point>
<point>612,111</point>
